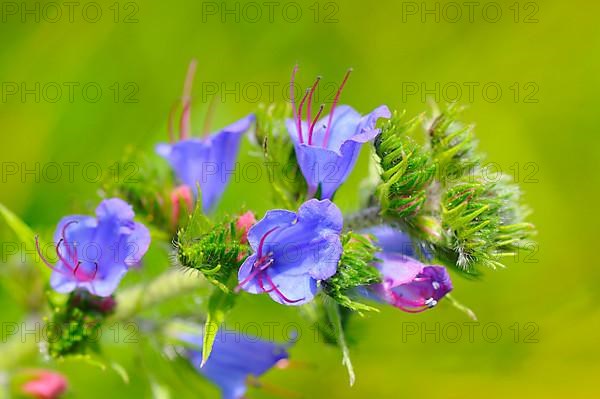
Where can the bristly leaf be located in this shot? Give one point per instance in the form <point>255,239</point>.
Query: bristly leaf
<point>289,186</point>
<point>406,169</point>
<point>213,249</point>
<point>354,270</point>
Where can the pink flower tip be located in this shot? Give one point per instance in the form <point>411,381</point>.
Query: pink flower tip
<point>178,194</point>
<point>45,385</point>
<point>243,224</point>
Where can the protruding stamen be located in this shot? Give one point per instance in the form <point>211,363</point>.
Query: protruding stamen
<point>300,113</point>
<point>262,242</point>
<point>210,113</point>
<point>42,257</point>
<point>62,259</point>
<point>186,101</point>
<point>72,254</point>
<point>171,122</point>
<point>314,122</point>
<point>293,100</point>
<point>310,96</point>
<point>335,102</point>
<point>278,291</point>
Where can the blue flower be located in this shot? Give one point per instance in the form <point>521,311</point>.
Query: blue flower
<point>207,161</point>
<point>292,252</point>
<point>406,283</point>
<point>94,253</point>
<point>327,149</point>
<point>234,359</point>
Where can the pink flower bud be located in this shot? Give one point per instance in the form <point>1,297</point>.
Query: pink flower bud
<point>180,193</point>
<point>243,224</point>
<point>45,385</point>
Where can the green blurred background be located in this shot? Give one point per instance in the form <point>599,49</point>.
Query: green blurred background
<point>548,52</point>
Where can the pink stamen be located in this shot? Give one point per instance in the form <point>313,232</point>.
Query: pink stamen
<point>335,102</point>
<point>171,123</point>
<point>85,277</point>
<point>312,125</point>
<point>186,101</point>
<point>292,98</point>
<point>67,246</point>
<point>310,96</point>
<point>62,259</point>
<point>262,242</point>
<point>42,257</point>
<point>278,291</point>
<point>300,113</point>
<point>185,123</point>
<point>210,113</point>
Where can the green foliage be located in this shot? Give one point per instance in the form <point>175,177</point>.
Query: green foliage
<point>287,181</point>
<point>73,329</point>
<point>354,270</point>
<point>406,169</point>
<point>212,248</point>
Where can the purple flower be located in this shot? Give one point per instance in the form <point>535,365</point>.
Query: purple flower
<point>327,149</point>
<point>406,283</point>
<point>94,253</point>
<point>206,161</point>
<point>292,251</point>
<point>234,359</point>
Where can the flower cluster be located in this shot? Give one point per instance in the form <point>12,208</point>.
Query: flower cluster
<point>411,229</point>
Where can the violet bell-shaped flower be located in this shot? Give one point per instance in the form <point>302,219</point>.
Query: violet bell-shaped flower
<point>292,252</point>
<point>407,284</point>
<point>207,161</point>
<point>234,359</point>
<point>327,149</point>
<point>94,253</point>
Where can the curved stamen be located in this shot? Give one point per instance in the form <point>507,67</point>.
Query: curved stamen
<point>310,96</point>
<point>335,102</point>
<point>39,251</point>
<point>300,114</point>
<point>262,285</point>
<point>67,246</point>
<point>210,113</point>
<point>184,124</point>
<point>293,100</point>
<point>262,242</point>
<point>186,101</point>
<point>278,291</point>
<point>171,122</point>
<point>245,281</point>
<point>62,259</point>
<point>312,125</point>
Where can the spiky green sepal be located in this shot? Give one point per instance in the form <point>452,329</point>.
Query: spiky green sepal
<point>211,248</point>
<point>406,169</point>
<point>354,270</point>
<point>482,222</point>
<point>453,145</point>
